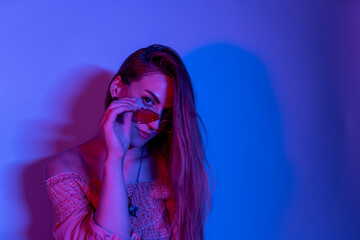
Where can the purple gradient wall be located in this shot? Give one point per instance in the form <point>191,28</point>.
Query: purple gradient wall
<point>277,85</point>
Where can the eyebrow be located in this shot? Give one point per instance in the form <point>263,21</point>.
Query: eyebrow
<point>153,95</point>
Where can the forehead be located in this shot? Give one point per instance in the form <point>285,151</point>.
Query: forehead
<point>161,85</point>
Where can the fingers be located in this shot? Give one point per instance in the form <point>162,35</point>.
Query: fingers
<point>121,105</point>
<point>112,112</point>
<point>117,131</point>
<point>127,118</point>
<point>123,102</point>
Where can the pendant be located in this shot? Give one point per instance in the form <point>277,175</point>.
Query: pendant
<point>132,209</point>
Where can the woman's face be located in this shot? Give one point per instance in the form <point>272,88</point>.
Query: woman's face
<point>154,91</point>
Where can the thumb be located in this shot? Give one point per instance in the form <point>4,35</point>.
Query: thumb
<point>127,118</point>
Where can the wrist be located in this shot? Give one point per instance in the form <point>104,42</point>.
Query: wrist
<point>113,163</point>
<point>113,173</point>
<point>114,158</point>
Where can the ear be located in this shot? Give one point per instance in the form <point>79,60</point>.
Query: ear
<point>116,86</point>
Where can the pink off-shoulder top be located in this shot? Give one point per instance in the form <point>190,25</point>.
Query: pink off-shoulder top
<point>75,198</point>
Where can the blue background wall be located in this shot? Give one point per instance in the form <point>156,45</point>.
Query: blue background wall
<point>276,82</point>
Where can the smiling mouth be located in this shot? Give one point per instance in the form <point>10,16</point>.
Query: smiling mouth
<point>143,134</point>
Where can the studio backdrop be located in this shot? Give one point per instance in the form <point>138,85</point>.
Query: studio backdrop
<point>277,86</point>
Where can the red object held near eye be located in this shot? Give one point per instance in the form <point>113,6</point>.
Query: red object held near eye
<point>144,115</point>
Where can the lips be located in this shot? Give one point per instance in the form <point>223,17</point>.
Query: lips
<point>143,134</point>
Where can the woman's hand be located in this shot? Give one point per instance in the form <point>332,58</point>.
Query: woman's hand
<point>117,135</point>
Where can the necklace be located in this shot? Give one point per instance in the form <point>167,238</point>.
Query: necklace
<point>133,209</point>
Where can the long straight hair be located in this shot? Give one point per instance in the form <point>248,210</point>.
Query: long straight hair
<point>183,144</point>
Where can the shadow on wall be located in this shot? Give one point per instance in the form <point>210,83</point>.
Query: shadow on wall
<point>80,102</point>
<point>246,150</point>
<point>237,103</point>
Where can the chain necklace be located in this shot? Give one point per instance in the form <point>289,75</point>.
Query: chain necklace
<point>133,209</point>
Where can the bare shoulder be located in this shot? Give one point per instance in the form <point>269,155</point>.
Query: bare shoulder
<point>67,161</point>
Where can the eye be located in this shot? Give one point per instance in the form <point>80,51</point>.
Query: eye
<point>148,101</point>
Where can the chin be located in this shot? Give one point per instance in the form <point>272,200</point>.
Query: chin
<point>138,142</point>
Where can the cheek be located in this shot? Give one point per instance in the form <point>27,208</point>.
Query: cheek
<point>135,133</point>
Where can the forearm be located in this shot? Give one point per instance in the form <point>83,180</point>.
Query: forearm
<point>112,212</point>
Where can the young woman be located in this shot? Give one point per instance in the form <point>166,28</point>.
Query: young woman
<point>144,176</point>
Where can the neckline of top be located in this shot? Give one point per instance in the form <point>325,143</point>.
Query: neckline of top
<point>64,174</point>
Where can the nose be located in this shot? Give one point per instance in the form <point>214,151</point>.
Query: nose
<point>153,125</point>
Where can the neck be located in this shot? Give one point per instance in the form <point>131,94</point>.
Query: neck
<point>133,154</point>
